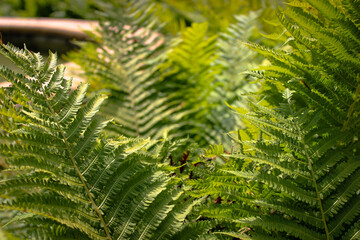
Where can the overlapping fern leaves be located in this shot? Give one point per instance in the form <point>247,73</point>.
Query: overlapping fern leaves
<point>189,72</point>
<point>307,151</point>
<point>234,59</point>
<point>124,63</point>
<point>310,164</point>
<point>203,73</point>
<point>64,180</point>
<point>177,87</point>
<point>299,180</point>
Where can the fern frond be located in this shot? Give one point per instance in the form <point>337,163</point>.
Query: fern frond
<point>325,8</point>
<point>70,180</point>
<point>348,215</point>
<point>195,230</point>
<point>190,73</point>
<point>280,224</point>
<point>124,62</point>
<point>325,212</point>
<point>353,232</point>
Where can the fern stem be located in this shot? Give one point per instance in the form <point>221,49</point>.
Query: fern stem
<point>317,193</point>
<point>67,145</point>
<point>312,174</point>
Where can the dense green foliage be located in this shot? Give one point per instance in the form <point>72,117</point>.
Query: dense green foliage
<point>70,181</point>
<point>288,170</point>
<point>307,144</point>
<point>174,86</point>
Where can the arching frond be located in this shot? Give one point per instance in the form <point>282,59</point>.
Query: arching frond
<point>64,180</point>
<point>176,87</point>
<point>306,153</point>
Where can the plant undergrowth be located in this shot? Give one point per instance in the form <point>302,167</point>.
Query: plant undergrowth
<point>188,137</point>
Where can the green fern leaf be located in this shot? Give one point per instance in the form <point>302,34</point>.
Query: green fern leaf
<point>70,181</point>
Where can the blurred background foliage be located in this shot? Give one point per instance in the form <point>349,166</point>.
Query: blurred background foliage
<point>198,68</point>
<point>82,9</point>
<point>175,15</point>
<point>218,14</point>
<point>180,87</point>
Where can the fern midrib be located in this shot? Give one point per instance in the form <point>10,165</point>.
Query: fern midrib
<point>142,202</point>
<point>312,176</point>
<point>94,160</point>
<point>123,197</point>
<point>67,145</point>
<point>114,184</point>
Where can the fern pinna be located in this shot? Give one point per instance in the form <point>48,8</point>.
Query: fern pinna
<point>64,180</point>
<point>307,150</point>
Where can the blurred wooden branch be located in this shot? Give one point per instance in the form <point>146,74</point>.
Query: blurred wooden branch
<point>64,28</point>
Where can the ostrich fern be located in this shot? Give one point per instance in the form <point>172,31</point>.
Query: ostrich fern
<point>306,156</point>
<point>179,86</point>
<point>64,180</point>
<point>123,63</point>
<point>300,178</point>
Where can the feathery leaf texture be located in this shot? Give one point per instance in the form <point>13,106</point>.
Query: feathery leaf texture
<point>123,64</point>
<point>306,154</point>
<point>64,180</point>
<point>177,87</point>
<point>203,73</point>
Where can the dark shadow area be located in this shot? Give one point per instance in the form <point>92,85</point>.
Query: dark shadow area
<point>39,43</point>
